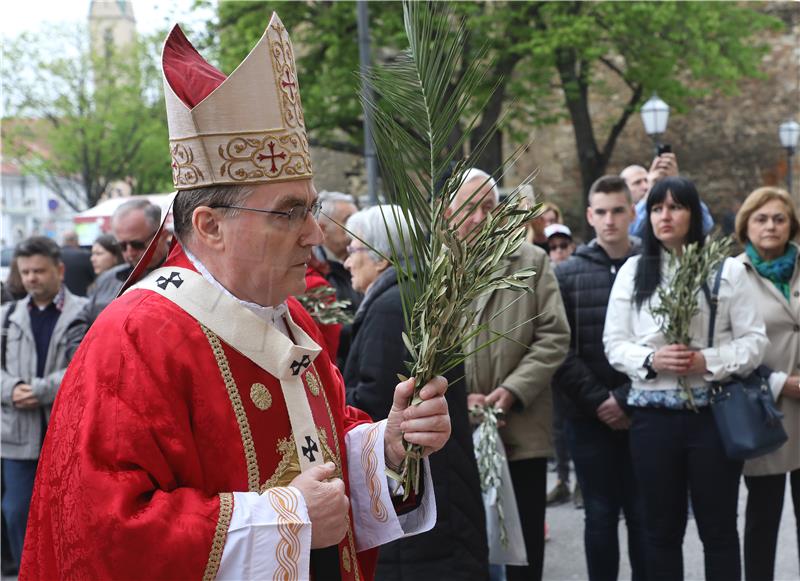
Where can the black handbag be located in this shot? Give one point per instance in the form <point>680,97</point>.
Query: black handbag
<point>744,410</point>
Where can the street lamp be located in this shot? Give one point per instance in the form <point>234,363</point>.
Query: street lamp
<point>789,133</point>
<point>655,114</point>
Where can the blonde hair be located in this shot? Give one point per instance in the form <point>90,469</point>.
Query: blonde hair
<point>550,206</point>
<point>758,198</point>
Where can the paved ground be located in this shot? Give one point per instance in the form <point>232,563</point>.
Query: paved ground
<point>564,557</point>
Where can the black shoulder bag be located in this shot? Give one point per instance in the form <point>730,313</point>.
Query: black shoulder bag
<point>744,410</point>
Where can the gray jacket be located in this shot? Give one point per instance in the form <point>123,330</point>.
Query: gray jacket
<point>103,291</point>
<point>22,428</point>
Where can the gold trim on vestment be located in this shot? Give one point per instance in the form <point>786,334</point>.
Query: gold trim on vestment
<point>313,382</point>
<point>238,409</point>
<point>369,463</point>
<point>289,466</point>
<point>220,534</point>
<point>287,553</point>
<point>338,462</point>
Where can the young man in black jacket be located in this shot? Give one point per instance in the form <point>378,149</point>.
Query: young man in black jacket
<point>595,393</point>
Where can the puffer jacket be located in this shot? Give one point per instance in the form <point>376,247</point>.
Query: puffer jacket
<point>586,378</point>
<point>22,428</point>
<point>456,548</point>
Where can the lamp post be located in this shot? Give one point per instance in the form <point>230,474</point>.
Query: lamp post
<point>789,133</point>
<point>655,114</point>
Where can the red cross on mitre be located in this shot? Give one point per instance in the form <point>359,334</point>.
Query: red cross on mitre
<point>290,84</point>
<point>272,156</point>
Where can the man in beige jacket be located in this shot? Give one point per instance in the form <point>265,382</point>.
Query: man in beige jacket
<point>514,373</point>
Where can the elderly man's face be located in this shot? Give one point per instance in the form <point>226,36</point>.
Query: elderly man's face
<point>470,208</point>
<point>265,255</point>
<point>336,237</point>
<point>134,233</point>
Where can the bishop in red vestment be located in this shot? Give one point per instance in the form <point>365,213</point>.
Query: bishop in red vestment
<point>200,431</point>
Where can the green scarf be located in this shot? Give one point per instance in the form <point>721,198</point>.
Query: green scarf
<point>779,271</point>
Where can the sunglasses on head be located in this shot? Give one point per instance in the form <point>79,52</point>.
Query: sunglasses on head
<point>558,245</point>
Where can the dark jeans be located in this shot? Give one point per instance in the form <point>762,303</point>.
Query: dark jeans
<point>763,518</point>
<point>18,476</point>
<point>529,478</point>
<point>604,469</point>
<point>560,438</point>
<point>675,452</point>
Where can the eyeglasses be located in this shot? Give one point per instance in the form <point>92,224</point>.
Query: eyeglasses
<point>135,244</point>
<point>295,215</point>
<point>355,249</point>
<point>558,246</point>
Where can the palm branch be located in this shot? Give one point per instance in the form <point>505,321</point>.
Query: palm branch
<point>421,97</point>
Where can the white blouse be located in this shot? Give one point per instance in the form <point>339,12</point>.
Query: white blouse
<point>631,334</point>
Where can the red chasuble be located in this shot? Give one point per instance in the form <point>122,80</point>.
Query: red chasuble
<point>156,423</point>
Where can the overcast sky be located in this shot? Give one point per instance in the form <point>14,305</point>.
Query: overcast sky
<point>17,16</point>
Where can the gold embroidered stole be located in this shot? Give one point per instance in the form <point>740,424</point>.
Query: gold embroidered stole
<point>257,340</point>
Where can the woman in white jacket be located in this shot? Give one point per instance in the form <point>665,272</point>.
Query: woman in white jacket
<point>675,450</point>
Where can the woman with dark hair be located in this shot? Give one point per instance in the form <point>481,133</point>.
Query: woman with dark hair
<point>106,253</point>
<point>677,451</point>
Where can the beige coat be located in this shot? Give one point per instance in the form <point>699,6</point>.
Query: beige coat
<point>783,354</point>
<point>524,361</point>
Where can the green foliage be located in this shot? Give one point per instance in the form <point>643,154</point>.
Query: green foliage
<point>416,110</point>
<point>541,64</point>
<point>490,458</point>
<point>321,304</point>
<point>94,118</point>
<point>678,299</point>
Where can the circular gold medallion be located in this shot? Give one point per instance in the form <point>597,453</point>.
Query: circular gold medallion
<point>260,396</point>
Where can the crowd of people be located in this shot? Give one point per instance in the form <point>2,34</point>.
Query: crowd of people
<point>204,421</point>
<point>591,351</point>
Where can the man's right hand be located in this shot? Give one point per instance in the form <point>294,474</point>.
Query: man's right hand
<point>664,165</point>
<point>22,397</point>
<point>326,502</point>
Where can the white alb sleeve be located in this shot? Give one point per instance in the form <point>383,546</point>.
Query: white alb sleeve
<point>269,536</point>
<point>376,522</point>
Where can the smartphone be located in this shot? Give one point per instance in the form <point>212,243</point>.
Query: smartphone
<point>663,148</point>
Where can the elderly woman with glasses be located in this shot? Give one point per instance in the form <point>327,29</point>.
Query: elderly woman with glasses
<point>767,225</point>
<point>456,548</point>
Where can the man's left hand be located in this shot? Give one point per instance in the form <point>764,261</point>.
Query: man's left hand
<point>426,424</point>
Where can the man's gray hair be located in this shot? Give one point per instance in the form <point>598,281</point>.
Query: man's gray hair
<point>187,200</point>
<point>152,212</point>
<point>474,173</point>
<point>330,199</point>
<point>384,228</point>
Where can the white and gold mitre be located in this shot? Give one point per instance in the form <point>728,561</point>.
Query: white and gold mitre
<point>247,128</point>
